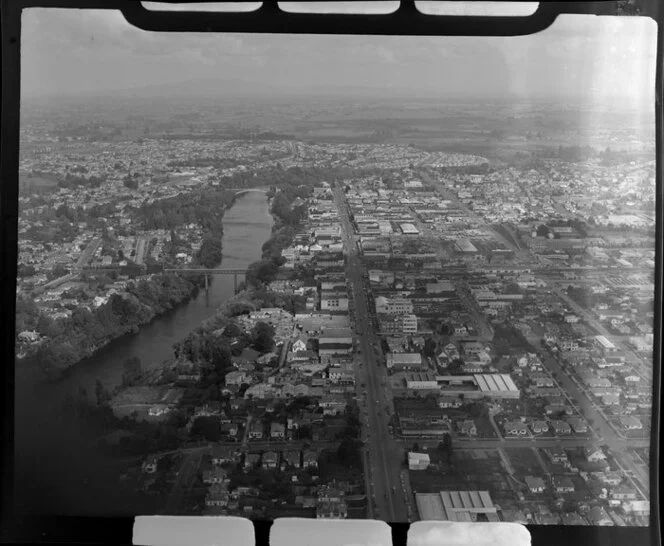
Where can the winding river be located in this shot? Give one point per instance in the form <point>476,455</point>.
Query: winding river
<point>46,448</point>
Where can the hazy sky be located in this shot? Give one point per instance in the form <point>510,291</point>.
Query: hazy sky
<point>73,51</point>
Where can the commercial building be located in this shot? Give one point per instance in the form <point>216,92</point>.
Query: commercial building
<point>467,506</point>
<point>465,246</point>
<point>404,361</point>
<point>409,229</point>
<point>418,461</point>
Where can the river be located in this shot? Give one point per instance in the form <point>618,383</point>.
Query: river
<point>47,448</point>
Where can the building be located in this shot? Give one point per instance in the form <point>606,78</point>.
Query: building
<point>467,427</point>
<point>270,459</point>
<point>409,229</point>
<point>393,306</point>
<point>535,484</point>
<point>418,461</point>
<point>277,430</point>
<point>497,386</point>
<point>562,484</point>
<point>465,506</point>
<point>466,247</point>
<point>334,302</point>
<point>421,381</point>
<point>404,361</point>
<point>331,503</point>
<point>515,428</point>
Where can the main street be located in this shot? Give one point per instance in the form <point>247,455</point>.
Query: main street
<point>385,455</point>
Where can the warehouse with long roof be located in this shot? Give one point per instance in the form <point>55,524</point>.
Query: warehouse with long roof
<point>464,506</point>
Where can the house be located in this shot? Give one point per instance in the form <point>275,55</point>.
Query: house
<point>158,410</point>
<point>331,503</point>
<point>594,454</point>
<point>598,516</point>
<point>211,409</point>
<point>310,459</point>
<point>332,404</point>
<point>277,430</point>
<point>255,430</point>
<point>573,518</point>
<point>445,402</point>
<point>222,455</point>
<point>418,461</point>
<point>637,508</point>
<point>467,427</point>
<point>515,428</point>
<point>298,346</point>
<point>578,425</point>
<point>557,455</point>
<point>235,378</point>
<point>622,492</point>
<point>292,458</point>
<point>562,484</point>
<point>217,496</point>
<point>150,465</point>
<point>538,427</point>
<point>535,484</point>
<point>215,475</point>
<point>610,477</point>
<point>229,429</point>
<point>561,427</point>
<point>630,423</point>
<point>270,459</point>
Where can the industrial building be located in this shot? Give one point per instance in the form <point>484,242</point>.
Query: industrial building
<point>467,506</point>
<point>497,386</point>
<point>409,229</point>
<point>465,246</point>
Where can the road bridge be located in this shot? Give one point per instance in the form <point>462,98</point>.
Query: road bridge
<point>209,271</point>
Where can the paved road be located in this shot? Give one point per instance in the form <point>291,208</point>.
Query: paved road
<point>641,368</point>
<point>496,443</point>
<point>385,455</point>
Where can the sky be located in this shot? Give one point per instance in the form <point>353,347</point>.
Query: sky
<point>68,52</point>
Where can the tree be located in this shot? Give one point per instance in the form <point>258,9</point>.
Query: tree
<point>263,337</point>
<point>446,446</point>
<point>101,393</point>
<point>207,428</point>
<point>430,347</point>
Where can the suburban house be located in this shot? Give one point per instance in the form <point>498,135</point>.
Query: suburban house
<point>557,455</point>
<point>445,402</point>
<point>150,465</point>
<point>594,454</point>
<point>562,484</point>
<point>622,492</point>
<point>310,459</point>
<point>578,425</point>
<point>466,427</point>
<point>292,458</point>
<point>255,430</point>
<point>270,459</point>
<point>222,455</point>
<point>538,427</point>
<point>217,496</point>
<point>561,427</point>
<point>515,428</point>
<point>418,461</point>
<point>277,430</point>
<point>251,460</point>
<point>216,475</point>
<point>535,484</point>
<point>597,515</point>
